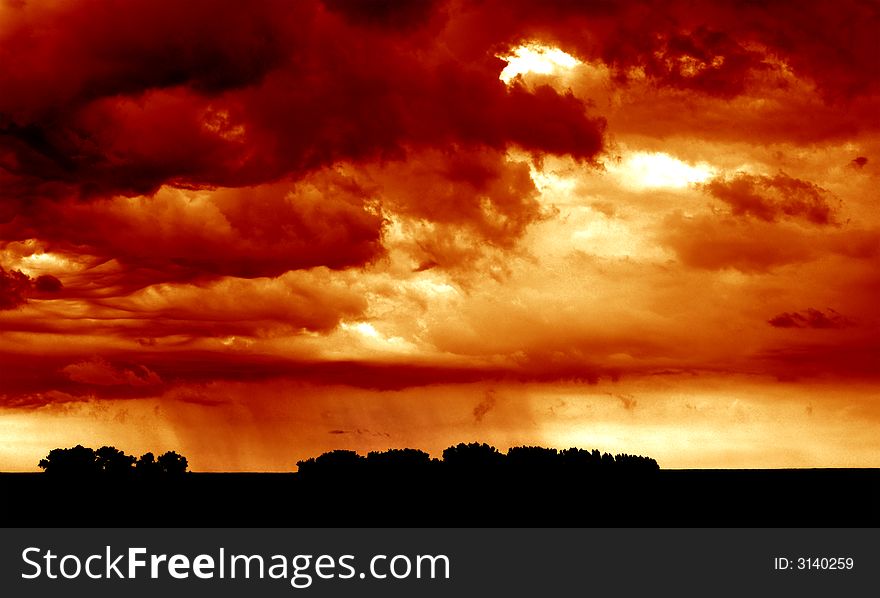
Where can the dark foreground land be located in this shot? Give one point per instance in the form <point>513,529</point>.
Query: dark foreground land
<point>664,498</point>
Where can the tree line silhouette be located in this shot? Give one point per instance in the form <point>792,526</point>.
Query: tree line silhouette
<point>478,459</point>
<point>110,462</point>
<point>468,485</point>
<point>393,487</point>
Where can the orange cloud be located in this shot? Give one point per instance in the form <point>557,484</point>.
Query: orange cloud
<point>769,198</point>
<point>708,242</point>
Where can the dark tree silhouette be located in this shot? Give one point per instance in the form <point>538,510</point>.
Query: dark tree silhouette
<point>575,458</point>
<point>397,466</point>
<point>473,484</point>
<point>472,456</point>
<point>399,458</point>
<point>109,462</point>
<point>533,458</point>
<point>338,465</point>
<point>112,461</point>
<point>635,463</point>
<point>172,464</point>
<point>77,461</point>
<point>146,465</point>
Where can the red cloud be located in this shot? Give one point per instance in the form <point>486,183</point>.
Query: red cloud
<point>239,99</point>
<point>389,15</point>
<point>69,54</point>
<point>46,283</point>
<point>854,358</point>
<point>770,198</point>
<point>247,232</point>
<point>95,108</point>
<point>748,246</point>
<point>715,48</point>
<point>473,200</point>
<point>810,318</point>
<point>14,287</point>
<point>185,143</point>
<point>106,135</point>
<point>704,60</point>
<point>99,372</point>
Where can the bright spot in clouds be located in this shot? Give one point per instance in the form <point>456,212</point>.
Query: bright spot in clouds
<point>41,263</point>
<point>363,328</point>
<point>535,58</point>
<point>552,182</point>
<point>373,340</point>
<point>650,170</point>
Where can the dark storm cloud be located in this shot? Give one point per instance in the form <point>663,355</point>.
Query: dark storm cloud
<point>231,97</point>
<point>16,287</point>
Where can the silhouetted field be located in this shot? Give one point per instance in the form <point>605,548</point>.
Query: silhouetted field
<point>675,498</point>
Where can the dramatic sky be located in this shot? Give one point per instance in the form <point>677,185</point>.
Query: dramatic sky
<point>254,234</point>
